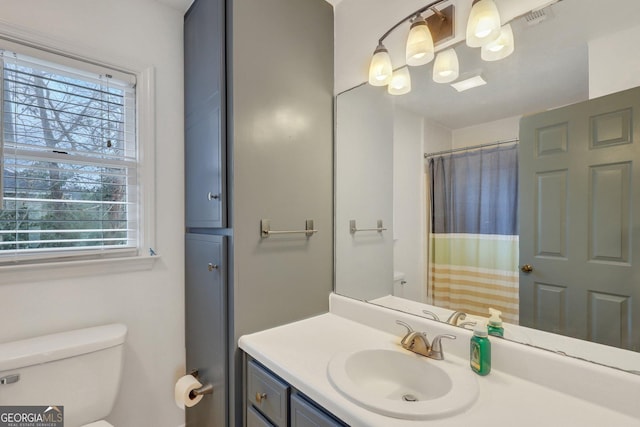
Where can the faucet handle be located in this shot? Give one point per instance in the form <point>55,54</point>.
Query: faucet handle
<point>409,331</point>
<point>455,317</point>
<point>436,346</point>
<point>406,325</point>
<point>432,314</point>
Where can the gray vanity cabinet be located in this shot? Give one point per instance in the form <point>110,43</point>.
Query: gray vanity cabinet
<point>306,414</point>
<point>206,323</point>
<point>204,76</point>
<point>271,402</point>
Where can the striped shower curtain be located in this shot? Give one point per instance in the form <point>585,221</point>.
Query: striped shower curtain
<point>473,241</point>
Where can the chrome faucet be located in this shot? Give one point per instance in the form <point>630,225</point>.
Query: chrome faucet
<point>417,342</point>
<point>453,319</point>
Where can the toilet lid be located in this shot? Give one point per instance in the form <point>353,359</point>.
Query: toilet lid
<point>101,423</point>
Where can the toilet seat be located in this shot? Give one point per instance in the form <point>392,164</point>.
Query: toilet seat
<point>101,423</point>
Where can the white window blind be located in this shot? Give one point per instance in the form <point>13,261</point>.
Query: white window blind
<point>69,162</point>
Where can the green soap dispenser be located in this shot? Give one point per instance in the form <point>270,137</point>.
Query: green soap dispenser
<point>495,323</point>
<point>480,351</point>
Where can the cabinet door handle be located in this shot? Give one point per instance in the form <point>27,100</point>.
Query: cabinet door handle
<point>212,267</point>
<point>260,397</point>
<point>211,196</point>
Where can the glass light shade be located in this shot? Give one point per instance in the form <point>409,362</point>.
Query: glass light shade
<point>400,82</point>
<point>420,48</point>
<point>380,69</point>
<point>484,23</point>
<point>500,48</point>
<point>446,68</point>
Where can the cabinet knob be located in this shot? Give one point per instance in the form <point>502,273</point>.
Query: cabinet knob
<point>260,397</point>
<point>211,196</point>
<point>212,267</point>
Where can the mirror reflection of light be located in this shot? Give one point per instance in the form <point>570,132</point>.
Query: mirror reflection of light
<point>400,82</point>
<point>446,68</point>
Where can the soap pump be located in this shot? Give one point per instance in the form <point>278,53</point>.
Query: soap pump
<point>495,323</point>
<point>480,350</point>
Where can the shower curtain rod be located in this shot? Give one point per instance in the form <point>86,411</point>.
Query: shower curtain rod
<point>475,147</point>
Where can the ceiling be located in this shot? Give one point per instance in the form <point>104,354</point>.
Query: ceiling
<point>183,5</point>
<point>548,69</point>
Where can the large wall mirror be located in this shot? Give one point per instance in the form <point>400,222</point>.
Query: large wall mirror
<point>522,194</point>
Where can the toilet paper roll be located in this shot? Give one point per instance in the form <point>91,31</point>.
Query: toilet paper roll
<point>182,393</point>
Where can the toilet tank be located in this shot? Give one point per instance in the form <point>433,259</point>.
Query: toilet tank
<point>78,369</point>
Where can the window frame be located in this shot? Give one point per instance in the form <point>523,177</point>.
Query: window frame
<point>111,261</point>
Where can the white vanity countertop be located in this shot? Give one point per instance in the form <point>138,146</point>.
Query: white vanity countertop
<point>603,354</point>
<point>300,352</point>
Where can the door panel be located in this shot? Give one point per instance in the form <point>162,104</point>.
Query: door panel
<point>551,226</point>
<point>204,69</point>
<point>205,298</point>
<point>551,307</point>
<point>609,219</point>
<point>580,220</point>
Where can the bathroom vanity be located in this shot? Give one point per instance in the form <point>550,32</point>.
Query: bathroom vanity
<point>273,402</point>
<point>526,385</point>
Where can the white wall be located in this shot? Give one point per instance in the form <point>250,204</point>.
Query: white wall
<point>611,67</point>
<point>408,203</point>
<point>134,34</point>
<point>436,137</point>
<point>486,133</point>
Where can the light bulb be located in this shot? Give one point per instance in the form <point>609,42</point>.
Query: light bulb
<point>419,50</point>
<point>380,69</point>
<point>483,25</point>
<point>446,67</point>
<point>500,48</point>
<point>400,82</point>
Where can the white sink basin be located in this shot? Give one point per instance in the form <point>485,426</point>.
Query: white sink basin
<point>400,384</point>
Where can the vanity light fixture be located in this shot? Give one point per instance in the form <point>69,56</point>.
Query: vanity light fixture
<point>469,83</point>
<point>400,82</point>
<point>484,30</point>
<point>420,48</point>
<point>446,67</point>
<point>483,25</point>
<point>380,69</point>
<point>501,47</point>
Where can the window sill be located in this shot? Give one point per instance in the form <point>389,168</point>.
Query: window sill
<point>69,269</point>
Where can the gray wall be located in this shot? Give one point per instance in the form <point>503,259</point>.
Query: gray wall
<point>280,129</point>
<point>364,192</point>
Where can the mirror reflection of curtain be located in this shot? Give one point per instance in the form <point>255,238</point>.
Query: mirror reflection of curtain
<point>473,239</point>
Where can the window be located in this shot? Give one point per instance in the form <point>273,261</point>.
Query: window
<point>69,160</point>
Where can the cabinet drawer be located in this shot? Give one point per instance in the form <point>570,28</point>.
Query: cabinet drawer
<point>254,419</point>
<point>306,414</point>
<point>267,393</point>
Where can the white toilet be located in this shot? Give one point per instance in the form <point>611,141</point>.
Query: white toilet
<point>79,370</point>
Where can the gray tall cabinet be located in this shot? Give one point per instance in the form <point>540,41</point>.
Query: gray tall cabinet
<point>258,145</point>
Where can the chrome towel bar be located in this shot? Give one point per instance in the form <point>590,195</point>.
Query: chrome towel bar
<point>265,229</point>
<point>353,228</point>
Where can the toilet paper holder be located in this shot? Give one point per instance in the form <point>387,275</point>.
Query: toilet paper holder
<point>205,389</point>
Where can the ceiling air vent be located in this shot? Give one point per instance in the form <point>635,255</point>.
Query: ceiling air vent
<point>537,16</point>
